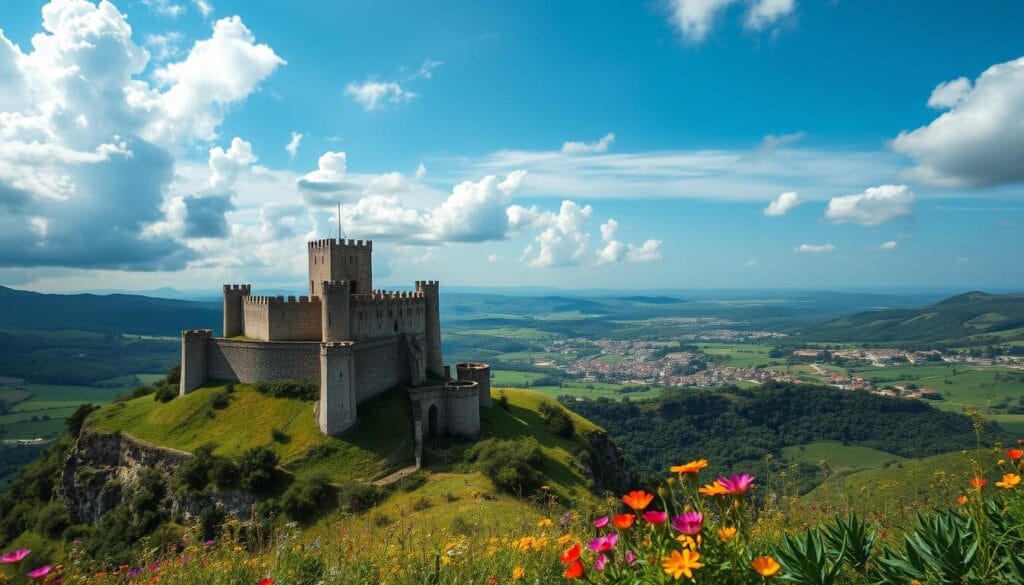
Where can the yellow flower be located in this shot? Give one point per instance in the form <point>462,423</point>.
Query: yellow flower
<point>517,573</point>
<point>681,564</point>
<point>564,539</point>
<point>690,542</point>
<point>766,566</point>
<point>1010,480</point>
<point>546,522</point>
<point>726,533</point>
<point>693,467</point>
<point>1001,462</point>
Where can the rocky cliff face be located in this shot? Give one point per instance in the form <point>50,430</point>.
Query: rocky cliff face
<point>102,468</point>
<point>604,464</point>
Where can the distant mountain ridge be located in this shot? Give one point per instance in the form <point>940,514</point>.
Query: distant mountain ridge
<point>116,313</point>
<point>971,318</point>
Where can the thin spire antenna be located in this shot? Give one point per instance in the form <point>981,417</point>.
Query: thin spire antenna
<point>339,221</point>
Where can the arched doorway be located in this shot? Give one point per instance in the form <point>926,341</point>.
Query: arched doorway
<point>432,421</point>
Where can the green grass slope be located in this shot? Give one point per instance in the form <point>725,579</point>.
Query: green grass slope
<point>840,458</point>
<point>972,318</point>
<point>380,443</point>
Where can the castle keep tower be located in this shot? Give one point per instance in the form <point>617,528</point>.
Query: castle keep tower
<point>333,260</point>
<point>233,294</point>
<point>432,321</point>
<point>354,341</point>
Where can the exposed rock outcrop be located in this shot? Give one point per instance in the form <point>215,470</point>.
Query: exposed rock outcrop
<point>604,464</point>
<point>103,467</point>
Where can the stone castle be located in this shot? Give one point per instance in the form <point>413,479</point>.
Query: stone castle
<point>354,341</point>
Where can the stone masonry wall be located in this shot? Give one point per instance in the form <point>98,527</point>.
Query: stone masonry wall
<point>252,361</point>
<point>386,314</point>
<point>379,366</point>
<point>282,319</point>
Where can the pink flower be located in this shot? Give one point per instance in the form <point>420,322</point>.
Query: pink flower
<point>600,562</point>
<point>603,543</point>
<point>601,522</point>
<point>737,484</point>
<point>630,557</point>
<point>655,517</point>
<point>39,573</point>
<point>688,523</point>
<point>14,557</point>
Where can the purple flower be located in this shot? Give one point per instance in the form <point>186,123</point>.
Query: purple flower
<point>737,484</point>
<point>655,516</point>
<point>630,557</point>
<point>688,522</point>
<point>39,573</point>
<point>604,543</point>
<point>14,557</point>
<point>600,562</point>
<point>210,542</point>
<point>601,522</point>
<point>134,572</point>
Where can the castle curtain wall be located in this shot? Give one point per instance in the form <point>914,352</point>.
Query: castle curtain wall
<point>248,361</point>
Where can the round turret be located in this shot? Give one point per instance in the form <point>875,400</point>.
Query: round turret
<point>481,374</point>
<point>463,412</point>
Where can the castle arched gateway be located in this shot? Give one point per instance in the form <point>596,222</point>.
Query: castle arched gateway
<point>354,341</point>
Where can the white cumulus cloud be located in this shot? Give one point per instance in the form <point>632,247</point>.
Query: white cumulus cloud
<point>567,242</point>
<point>979,140</point>
<point>890,245</point>
<point>874,206</point>
<point>782,204</point>
<point>601,145</point>
<point>292,148</point>
<point>225,165</point>
<point>374,95</point>
<point>696,18</point>
<point>814,248</point>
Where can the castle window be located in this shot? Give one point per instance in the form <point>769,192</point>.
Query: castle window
<point>396,326</point>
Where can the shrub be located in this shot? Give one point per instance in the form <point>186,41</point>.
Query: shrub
<point>52,519</point>
<point>77,418</point>
<point>223,473</point>
<point>219,400</point>
<point>503,400</point>
<point>421,503</point>
<point>256,469</point>
<point>511,465</point>
<point>558,419</point>
<point>173,376</point>
<point>279,435</point>
<point>305,499</point>
<point>357,497</point>
<point>301,389</point>
<point>165,393</point>
<point>210,519</point>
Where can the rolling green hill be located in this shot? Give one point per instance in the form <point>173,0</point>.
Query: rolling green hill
<point>974,318</point>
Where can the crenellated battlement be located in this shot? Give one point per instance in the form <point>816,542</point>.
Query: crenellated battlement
<point>421,285</point>
<point>280,300</point>
<point>197,334</point>
<point>380,295</point>
<point>336,243</point>
<point>245,289</point>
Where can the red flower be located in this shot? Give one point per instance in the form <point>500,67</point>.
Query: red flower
<point>266,581</point>
<point>1014,454</point>
<point>978,482</point>
<point>574,571</point>
<point>569,556</point>
<point>638,499</point>
<point>623,521</point>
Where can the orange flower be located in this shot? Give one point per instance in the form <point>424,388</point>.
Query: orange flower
<point>638,500</point>
<point>714,489</point>
<point>681,563</point>
<point>962,500</point>
<point>623,521</point>
<point>726,533</point>
<point>1014,454</point>
<point>571,555</point>
<point>766,566</point>
<point>573,571</point>
<point>692,467</point>
<point>978,482</point>
<point>1010,480</point>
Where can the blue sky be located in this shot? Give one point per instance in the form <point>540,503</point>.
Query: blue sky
<point>569,144</point>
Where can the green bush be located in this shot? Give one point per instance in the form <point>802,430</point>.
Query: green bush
<point>307,498</point>
<point>357,497</point>
<point>77,418</point>
<point>301,389</point>
<point>558,419</point>
<point>256,469</point>
<point>52,519</point>
<point>223,473</point>
<point>511,464</point>
<point>219,400</point>
<point>165,393</point>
